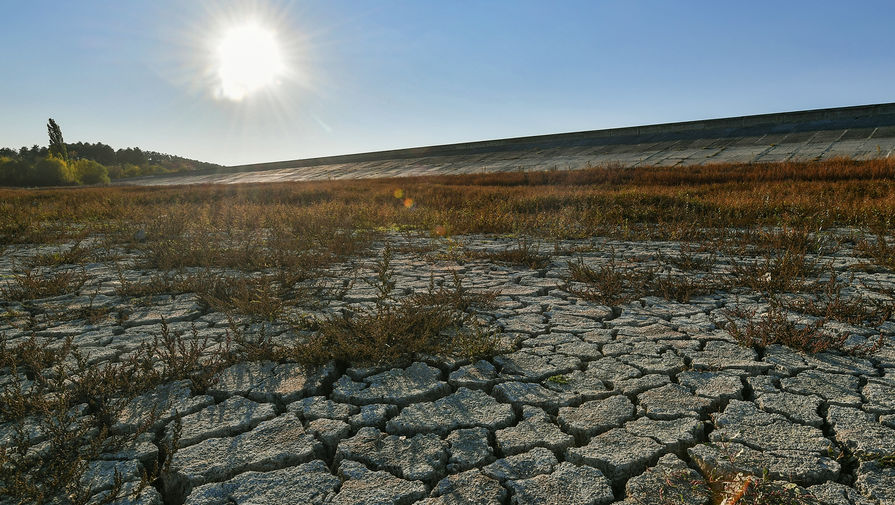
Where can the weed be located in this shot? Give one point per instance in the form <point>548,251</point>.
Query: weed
<point>525,253</point>
<point>455,296</point>
<point>74,255</point>
<point>396,329</point>
<point>831,304</point>
<point>880,251</point>
<point>35,283</point>
<point>886,460</point>
<point>775,327</point>
<point>752,490</point>
<point>264,295</point>
<point>690,258</point>
<point>675,487</point>
<point>558,379</point>
<point>612,283</point>
<point>73,406</point>
<point>608,284</point>
<point>681,288</point>
<point>785,272</point>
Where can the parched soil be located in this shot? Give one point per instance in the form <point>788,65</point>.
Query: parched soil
<point>757,365</point>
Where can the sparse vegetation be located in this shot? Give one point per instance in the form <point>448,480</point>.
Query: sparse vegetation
<point>641,203</point>
<point>264,254</point>
<point>776,326</point>
<point>752,490</point>
<point>62,409</point>
<point>34,283</point>
<point>434,322</point>
<point>880,251</point>
<point>525,253</point>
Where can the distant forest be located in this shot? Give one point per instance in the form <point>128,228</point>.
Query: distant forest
<point>63,163</point>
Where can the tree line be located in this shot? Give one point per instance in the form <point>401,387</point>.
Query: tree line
<point>61,163</point>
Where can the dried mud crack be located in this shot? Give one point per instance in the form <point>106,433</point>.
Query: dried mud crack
<point>605,386</point>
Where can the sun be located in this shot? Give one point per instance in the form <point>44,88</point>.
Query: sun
<point>247,59</point>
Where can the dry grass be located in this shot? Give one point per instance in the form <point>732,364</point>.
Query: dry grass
<point>607,284</point>
<point>613,283</point>
<point>752,490</point>
<point>77,254</point>
<point>830,301</point>
<point>784,271</point>
<point>668,203</point>
<point>880,251</point>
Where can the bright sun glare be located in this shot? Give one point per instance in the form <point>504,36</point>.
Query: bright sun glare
<point>248,59</point>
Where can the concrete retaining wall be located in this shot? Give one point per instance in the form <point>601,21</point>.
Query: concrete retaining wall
<point>861,132</point>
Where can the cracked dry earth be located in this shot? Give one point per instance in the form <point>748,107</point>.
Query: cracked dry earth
<point>649,402</point>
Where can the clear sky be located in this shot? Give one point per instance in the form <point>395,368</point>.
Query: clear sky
<point>366,75</point>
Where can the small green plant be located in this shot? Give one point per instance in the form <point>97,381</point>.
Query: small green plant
<point>886,460</point>
<point>558,379</point>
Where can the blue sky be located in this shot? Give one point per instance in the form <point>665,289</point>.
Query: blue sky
<point>372,75</point>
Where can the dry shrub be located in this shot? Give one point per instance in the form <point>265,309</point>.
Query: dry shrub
<point>781,272</point>
<point>525,253</point>
<point>775,327</point>
<point>74,405</point>
<point>35,283</point>
<point>394,330</point>
<point>879,250</point>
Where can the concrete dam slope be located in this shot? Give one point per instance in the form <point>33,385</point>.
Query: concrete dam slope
<point>860,132</point>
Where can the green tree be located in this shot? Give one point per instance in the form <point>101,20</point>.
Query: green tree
<point>90,172</point>
<point>57,145</point>
<point>51,171</point>
<point>11,171</point>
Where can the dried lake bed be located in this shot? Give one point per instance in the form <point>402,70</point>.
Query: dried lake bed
<point>640,397</point>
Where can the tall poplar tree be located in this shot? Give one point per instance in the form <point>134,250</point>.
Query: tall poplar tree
<point>57,145</point>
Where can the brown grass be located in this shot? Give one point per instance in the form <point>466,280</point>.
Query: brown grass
<point>646,202</point>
